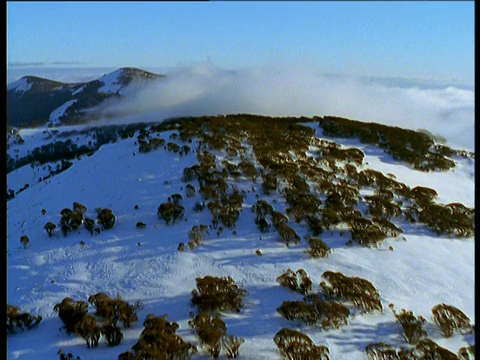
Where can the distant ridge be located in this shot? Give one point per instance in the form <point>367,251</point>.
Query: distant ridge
<point>33,101</point>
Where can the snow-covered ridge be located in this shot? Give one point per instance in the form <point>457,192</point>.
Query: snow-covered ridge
<point>118,80</point>
<point>144,264</point>
<point>111,83</point>
<point>21,85</point>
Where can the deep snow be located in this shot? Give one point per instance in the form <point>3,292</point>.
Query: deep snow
<point>144,264</point>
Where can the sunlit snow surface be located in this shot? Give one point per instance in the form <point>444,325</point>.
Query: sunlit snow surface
<point>145,265</point>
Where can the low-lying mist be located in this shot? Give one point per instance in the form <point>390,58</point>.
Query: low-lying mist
<point>205,89</point>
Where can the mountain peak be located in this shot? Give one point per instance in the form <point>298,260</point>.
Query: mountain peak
<point>33,100</point>
<point>117,80</point>
<point>34,83</point>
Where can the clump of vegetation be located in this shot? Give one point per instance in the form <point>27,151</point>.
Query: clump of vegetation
<point>231,345</point>
<point>114,309</point>
<point>288,234</point>
<point>72,219</point>
<point>467,352</point>
<point>297,281</point>
<point>324,313</point>
<point>317,247</point>
<point>427,349</point>
<point>261,209</point>
<point>424,349</point>
<point>451,219</point>
<point>105,217</point>
<point>217,294</point>
<point>24,239</point>
<point>159,340</point>
<point>170,212</point>
<point>140,225</point>
<point>381,351</point>
<point>74,315</point>
<point>411,326</point>
<point>450,319</point>
<point>19,320</point>
<point>71,312</point>
<point>212,332</point>
<point>68,356</point>
<point>413,147</point>
<point>360,292</point>
<point>366,232</point>
<point>197,233</point>
<point>295,345</point>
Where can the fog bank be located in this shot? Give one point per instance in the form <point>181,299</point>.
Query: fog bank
<point>205,89</point>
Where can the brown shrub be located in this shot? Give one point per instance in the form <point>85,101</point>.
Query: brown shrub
<point>297,281</point>
<point>450,319</point>
<point>360,291</point>
<point>324,313</point>
<point>88,329</point>
<point>288,234</point>
<point>158,340</point>
<point>317,247</point>
<point>170,212</point>
<point>112,333</point>
<point>80,208</point>
<point>411,325</point>
<point>114,309</point>
<point>16,319</point>
<point>451,219</point>
<point>467,352</point>
<point>381,351</point>
<point>261,209</point>
<point>295,345</point>
<point>197,233</point>
<point>50,227</point>
<point>217,293</point>
<point>24,239</point>
<point>106,218</point>
<point>71,312</point>
<point>427,349</point>
<point>210,330</point>
<point>231,345</point>
<point>366,232</point>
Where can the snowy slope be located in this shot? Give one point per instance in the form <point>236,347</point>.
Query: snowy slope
<point>21,85</point>
<point>144,264</point>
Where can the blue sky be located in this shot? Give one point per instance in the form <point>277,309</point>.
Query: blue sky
<point>407,39</point>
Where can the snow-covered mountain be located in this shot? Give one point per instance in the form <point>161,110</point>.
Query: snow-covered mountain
<point>224,169</point>
<point>34,101</point>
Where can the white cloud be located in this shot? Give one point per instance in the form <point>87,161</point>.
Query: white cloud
<point>205,89</point>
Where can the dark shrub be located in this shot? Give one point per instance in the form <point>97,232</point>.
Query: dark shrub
<point>159,340</point>
<point>294,345</point>
<point>16,319</point>
<point>324,313</point>
<point>381,351</point>
<point>217,293</point>
<point>450,319</point>
<point>317,247</point>
<point>210,330</point>
<point>297,281</point>
<point>412,329</point>
<point>170,212</point>
<point>360,291</point>
<point>106,218</point>
<point>427,349</point>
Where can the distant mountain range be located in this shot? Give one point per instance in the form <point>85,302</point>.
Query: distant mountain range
<point>33,101</point>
